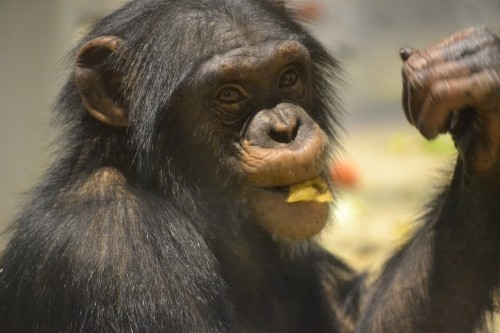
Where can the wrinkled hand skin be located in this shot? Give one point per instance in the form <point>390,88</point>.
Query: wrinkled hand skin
<point>454,86</point>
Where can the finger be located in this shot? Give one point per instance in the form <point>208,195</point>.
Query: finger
<point>455,47</point>
<point>405,53</point>
<point>457,37</point>
<point>414,93</point>
<point>420,81</point>
<point>404,100</point>
<point>417,83</point>
<point>448,70</point>
<point>405,95</point>
<point>445,96</point>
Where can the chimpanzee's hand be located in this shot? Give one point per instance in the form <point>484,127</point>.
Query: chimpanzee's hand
<point>454,86</point>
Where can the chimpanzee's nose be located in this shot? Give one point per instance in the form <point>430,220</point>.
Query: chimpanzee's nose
<point>277,126</point>
<point>284,126</point>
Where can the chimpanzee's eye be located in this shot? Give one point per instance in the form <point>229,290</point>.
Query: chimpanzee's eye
<point>288,78</point>
<point>230,95</point>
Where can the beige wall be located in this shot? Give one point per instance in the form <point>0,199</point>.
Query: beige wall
<point>35,37</point>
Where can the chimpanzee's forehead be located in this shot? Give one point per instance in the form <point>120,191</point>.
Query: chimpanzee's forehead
<point>222,28</point>
<point>228,35</point>
<point>245,62</point>
<point>250,36</point>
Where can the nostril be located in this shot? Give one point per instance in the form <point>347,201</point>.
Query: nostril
<point>284,134</point>
<point>280,137</point>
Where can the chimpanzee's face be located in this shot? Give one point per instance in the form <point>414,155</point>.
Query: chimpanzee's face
<point>256,101</point>
<point>243,124</point>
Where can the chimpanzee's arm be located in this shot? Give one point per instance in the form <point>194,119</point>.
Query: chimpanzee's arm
<point>444,279</point>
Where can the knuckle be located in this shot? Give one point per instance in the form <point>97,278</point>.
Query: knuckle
<point>485,36</point>
<point>479,29</point>
<point>491,57</point>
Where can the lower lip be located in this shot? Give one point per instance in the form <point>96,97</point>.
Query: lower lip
<point>292,221</point>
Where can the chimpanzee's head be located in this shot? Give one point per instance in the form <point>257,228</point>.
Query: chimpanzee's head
<point>230,97</point>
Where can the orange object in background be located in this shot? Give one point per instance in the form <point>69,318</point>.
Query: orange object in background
<point>344,173</point>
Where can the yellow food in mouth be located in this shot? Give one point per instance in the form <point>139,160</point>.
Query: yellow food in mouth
<point>311,190</point>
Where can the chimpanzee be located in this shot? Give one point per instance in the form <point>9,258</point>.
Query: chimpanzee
<point>188,126</point>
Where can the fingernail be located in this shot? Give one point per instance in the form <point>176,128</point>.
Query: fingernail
<point>405,52</point>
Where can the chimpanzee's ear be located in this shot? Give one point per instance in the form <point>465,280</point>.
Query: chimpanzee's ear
<point>99,80</point>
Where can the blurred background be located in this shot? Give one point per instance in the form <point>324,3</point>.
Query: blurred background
<point>391,172</point>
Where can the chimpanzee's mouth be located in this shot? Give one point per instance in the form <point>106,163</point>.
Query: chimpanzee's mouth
<point>279,189</point>
<point>296,211</point>
<point>315,190</point>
